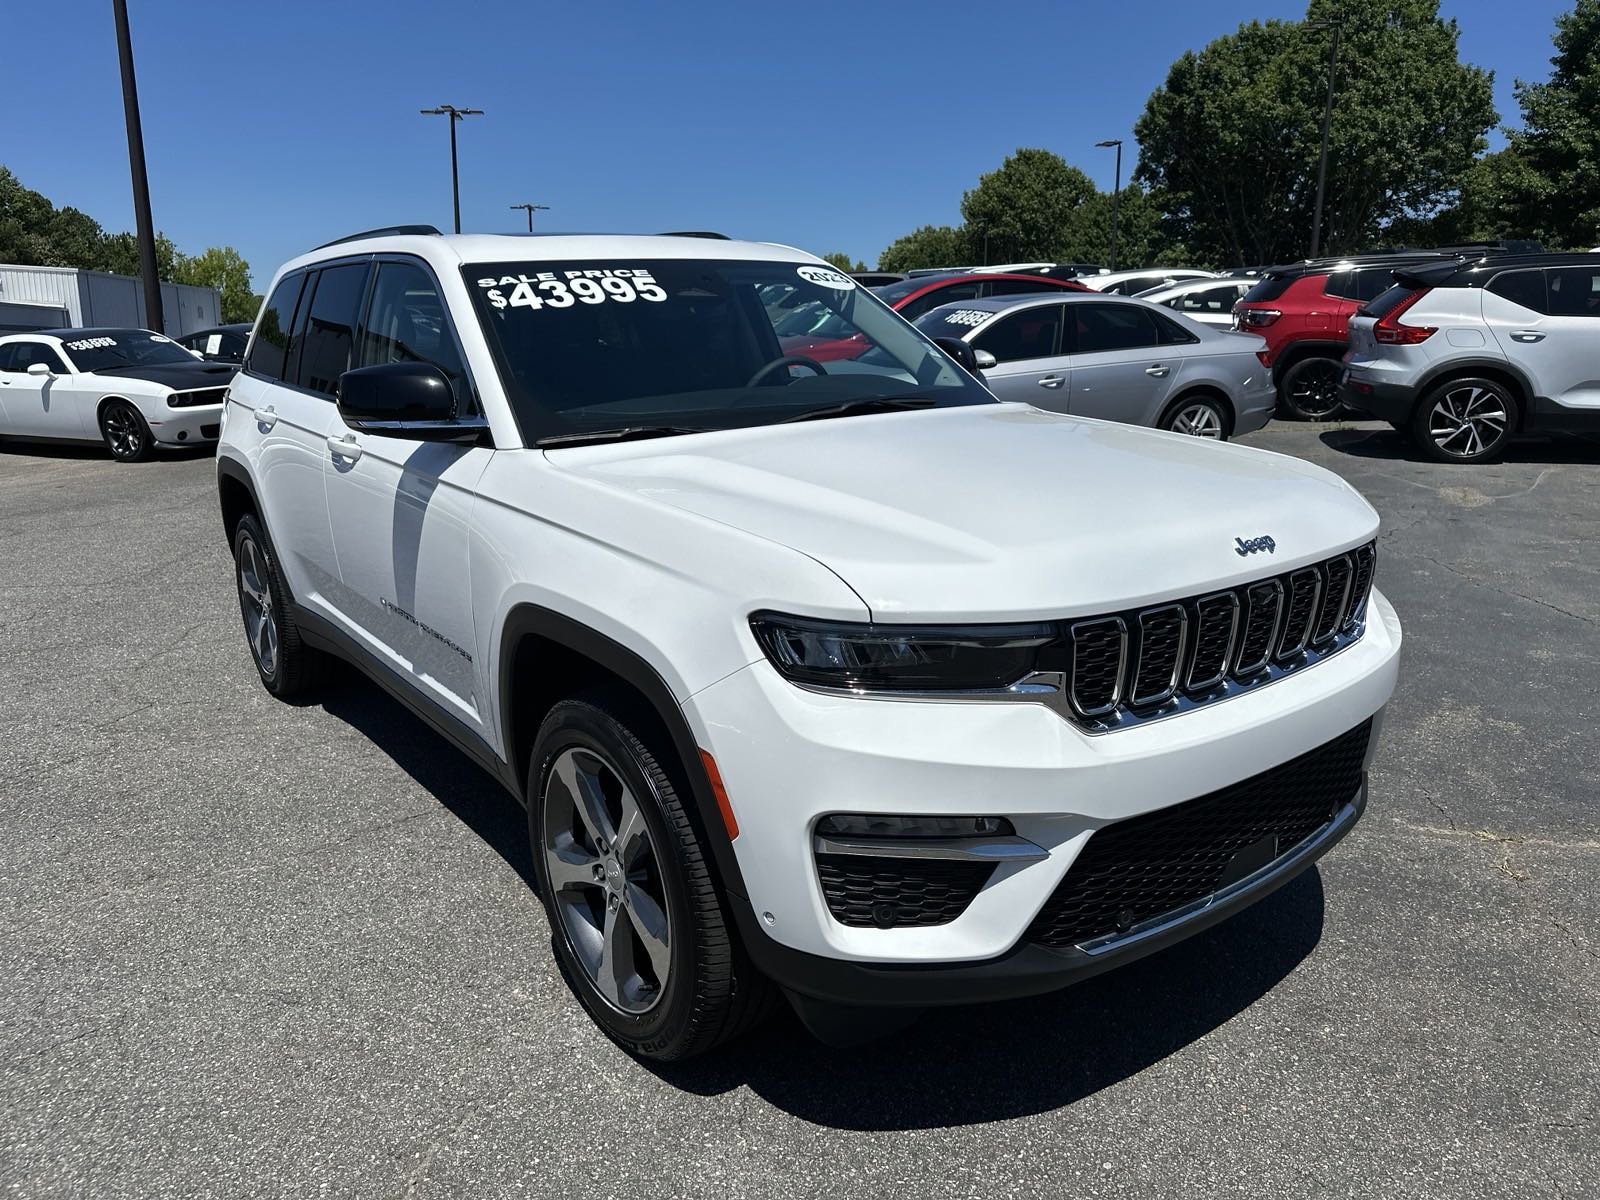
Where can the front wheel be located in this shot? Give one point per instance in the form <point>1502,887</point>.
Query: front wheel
<point>634,914</point>
<point>1198,417</point>
<point>1310,389</point>
<point>1465,421</point>
<point>284,662</point>
<point>126,434</point>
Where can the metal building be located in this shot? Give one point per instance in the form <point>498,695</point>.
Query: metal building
<point>51,297</point>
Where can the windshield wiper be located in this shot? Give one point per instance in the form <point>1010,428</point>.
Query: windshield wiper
<point>627,433</point>
<point>853,408</point>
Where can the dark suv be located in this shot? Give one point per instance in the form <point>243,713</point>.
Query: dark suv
<point>1303,310</point>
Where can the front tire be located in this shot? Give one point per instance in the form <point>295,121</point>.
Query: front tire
<point>1310,389</point>
<point>287,666</point>
<point>1465,421</point>
<point>634,915</point>
<point>125,431</point>
<point>1198,416</point>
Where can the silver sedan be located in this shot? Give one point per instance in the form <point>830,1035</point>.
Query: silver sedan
<point>1113,358</point>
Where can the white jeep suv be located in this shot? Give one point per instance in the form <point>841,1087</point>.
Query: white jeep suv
<point>842,677</point>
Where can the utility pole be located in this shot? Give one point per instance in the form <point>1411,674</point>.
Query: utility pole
<point>531,209</point>
<point>145,228</point>
<point>455,114</point>
<point>1327,120</point>
<point>1116,194</point>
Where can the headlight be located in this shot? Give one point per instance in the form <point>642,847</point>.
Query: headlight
<point>917,658</point>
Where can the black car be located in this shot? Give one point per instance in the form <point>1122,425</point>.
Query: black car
<point>222,343</point>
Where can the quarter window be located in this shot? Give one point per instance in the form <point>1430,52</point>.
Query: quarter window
<point>1031,333</point>
<point>330,330</point>
<point>267,354</point>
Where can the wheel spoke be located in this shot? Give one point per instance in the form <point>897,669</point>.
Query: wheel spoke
<point>650,924</point>
<point>616,956</point>
<point>588,800</point>
<point>633,838</point>
<point>571,866</point>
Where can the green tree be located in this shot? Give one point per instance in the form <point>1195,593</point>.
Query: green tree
<point>1141,239</point>
<point>930,246</point>
<point>1229,144</point>
<point>222,267</point>
<point>25,218</point>
<point>119,254</point>
<point>843,261</point>
<point>1024,210</point>
<point>1556,194</point>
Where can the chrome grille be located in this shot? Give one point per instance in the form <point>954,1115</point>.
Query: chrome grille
<point>1155,661</point>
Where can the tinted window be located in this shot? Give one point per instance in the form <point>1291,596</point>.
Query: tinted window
<point>272,329</point>
<point>1140,283</point>
<point>406,322</point>
<point>953,294</point>
<point>1017,287</point>
<point>1102,327</point>
<point>25,354</point>
<point>1268,289</point>
<point>1387,301</point>
<point>8,354</point>
<point>1031,333</point>
<point>1170,333</point>
<point>1521,287</point>
<point>331,327</point>
<point>1371,284</point>
<point>1340,283</point>
<point>100,349</point>
<point>892,293</point>
<point>1211,299</point>
<point>1573,291</point>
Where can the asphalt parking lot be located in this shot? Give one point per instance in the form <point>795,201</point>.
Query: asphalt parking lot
<point>254,949</point>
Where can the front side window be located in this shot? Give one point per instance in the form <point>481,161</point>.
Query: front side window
<point>331,327</point>
<point>268,353</point>
<point>109,349</point>
<point>600,345</point>
<point>1573,291</point>
<point>1019,336</point>
<point>1099,328</point>
<point>406,322</point>
<point>25,354</point>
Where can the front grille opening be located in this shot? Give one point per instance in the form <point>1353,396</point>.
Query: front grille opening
<point>1162,633</point>
<point>1099,653</point>
<point>1262,604</point>
<point>1331,617</point>
<point>892,893</point>
<point>1217,620</point>
<point>1305,588</point>
<point>1137,870</point>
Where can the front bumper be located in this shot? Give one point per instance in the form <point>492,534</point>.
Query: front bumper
<point>788,757</point>
<point>201,424</point>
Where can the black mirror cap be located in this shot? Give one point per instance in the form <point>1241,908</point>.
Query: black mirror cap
<point>960,351</point>
<point>407,399</point>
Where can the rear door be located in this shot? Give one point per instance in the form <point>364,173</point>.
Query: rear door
<point>1029,366</point>
<point>1548,323</point>
<point>401,508</point>
<point>1121,368</point>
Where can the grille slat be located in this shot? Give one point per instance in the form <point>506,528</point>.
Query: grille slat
<point>1305,589</point>
<point>1366,558</point>
<point>1163,633</point>
<point>1338,572</point>
<point>1142,868</point>
<point>1216,622</point>
<point>1099,656</point>
<point>1263,605</point>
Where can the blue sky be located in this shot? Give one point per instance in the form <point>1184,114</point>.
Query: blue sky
<point>827,125</point>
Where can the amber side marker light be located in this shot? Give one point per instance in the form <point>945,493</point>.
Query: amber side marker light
<point>729,821</point>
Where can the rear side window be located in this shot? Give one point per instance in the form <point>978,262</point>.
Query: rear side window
<point>1031,333</point>
<point>267,355</point>
<point>330,331</point>
<point>1524,288</point>
<point>1573,291</point>
<point>1372,283</point>
<point>1340,283</point>
<point>1103,327</point>
<point>1268,289</point>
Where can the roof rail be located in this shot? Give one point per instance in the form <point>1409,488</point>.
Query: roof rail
<point>699,233</point>
<point>386,231</point>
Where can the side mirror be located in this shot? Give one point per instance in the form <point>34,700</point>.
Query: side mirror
<point>37,369</point>
<point>985,359</point>
<point>408,400</point>
<point>961,352</point>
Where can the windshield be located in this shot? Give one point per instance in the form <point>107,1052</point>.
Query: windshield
<point>107,349</point>
<point>697,344</point>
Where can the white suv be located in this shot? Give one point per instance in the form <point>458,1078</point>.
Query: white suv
<point>842,676</point>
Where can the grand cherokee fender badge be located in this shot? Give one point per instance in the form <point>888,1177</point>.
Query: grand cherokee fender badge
<point>1243,547</point>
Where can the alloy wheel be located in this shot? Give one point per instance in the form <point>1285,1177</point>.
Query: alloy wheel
<point>255,598</point>
<point>606,883</point>
<point>1315,392</point>
<point>122,430</point>
<point>1469,421</point>
<point>1198,420</point>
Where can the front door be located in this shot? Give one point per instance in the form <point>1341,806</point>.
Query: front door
<point>401,510</point>
<point>1029,367</point>
<point>43,406</point>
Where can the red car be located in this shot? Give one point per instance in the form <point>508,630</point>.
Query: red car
<point>807,330</point>
<point>1304,311</point>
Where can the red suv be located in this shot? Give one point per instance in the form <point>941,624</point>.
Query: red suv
<point>1304,312</point>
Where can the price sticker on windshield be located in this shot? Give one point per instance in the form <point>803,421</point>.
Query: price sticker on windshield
<point>94,343</point>
<point>564,289</point>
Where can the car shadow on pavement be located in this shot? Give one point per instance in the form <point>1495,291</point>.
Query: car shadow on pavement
<point>1383,442</point>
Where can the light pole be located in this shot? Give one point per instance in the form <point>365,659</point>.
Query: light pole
<point>145,227</point>
<point>531,209</point>
<point>1116,194</point>
<point>455,114</point>
<point>1327,120</point>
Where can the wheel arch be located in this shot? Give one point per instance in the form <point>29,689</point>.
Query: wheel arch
<point>236,494</point>
<point>1203,390</point>
<point>1301,349</point>
<point>546,655</point>
<point>1501,371</point>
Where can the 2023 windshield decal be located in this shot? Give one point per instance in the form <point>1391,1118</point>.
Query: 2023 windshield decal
<point>564,289</point>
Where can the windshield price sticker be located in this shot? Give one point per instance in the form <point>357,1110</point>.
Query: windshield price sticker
<point>967,316</point>
<point>93,343</point>
<point>563,289</point>
<point>824,277</point>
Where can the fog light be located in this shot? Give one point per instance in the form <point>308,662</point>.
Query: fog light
<point>183,435</point>
<point>874,825</point>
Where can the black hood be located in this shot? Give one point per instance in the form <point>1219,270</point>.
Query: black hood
<point>181,377</point>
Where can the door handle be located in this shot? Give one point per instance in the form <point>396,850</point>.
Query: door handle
<point>1051,381</point>
<point>1157,370</point>
<point>1526,335</point>
<point>345,447</point>
<point>267,417</point>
